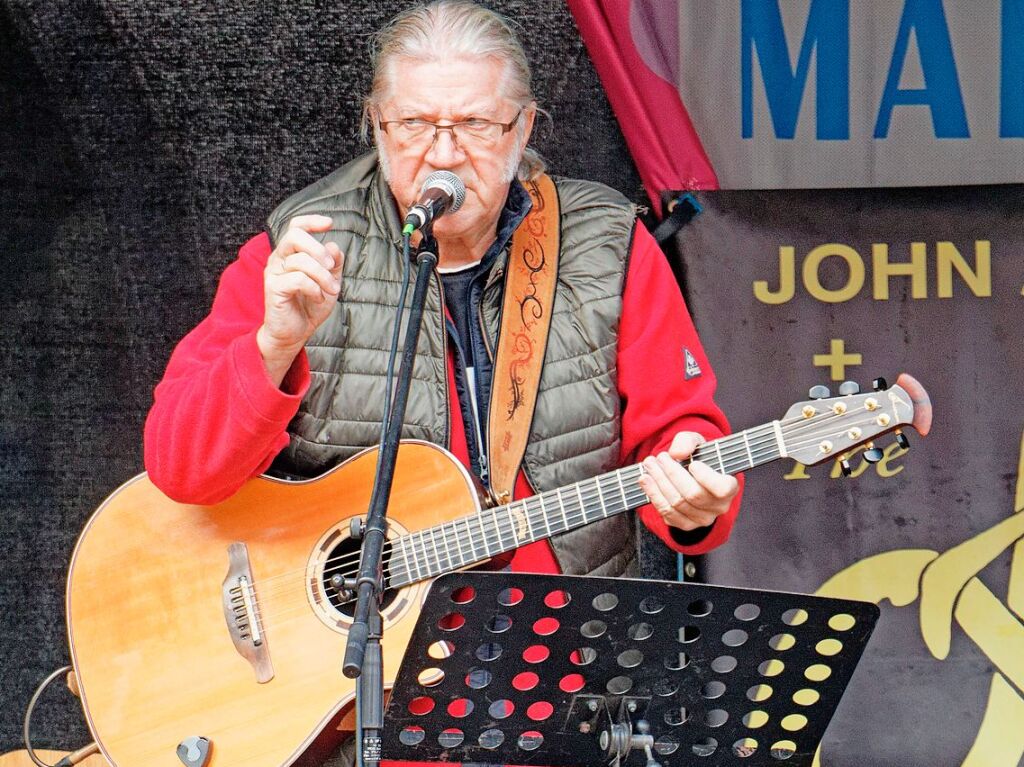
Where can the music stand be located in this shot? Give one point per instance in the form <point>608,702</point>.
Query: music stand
<point>565,671</point>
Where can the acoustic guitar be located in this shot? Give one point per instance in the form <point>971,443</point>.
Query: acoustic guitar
<point>226,623</point>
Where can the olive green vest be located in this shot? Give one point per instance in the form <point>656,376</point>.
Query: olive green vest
<point>575,432</point>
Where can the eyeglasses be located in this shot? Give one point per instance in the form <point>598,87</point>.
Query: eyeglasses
<point>466,133</point>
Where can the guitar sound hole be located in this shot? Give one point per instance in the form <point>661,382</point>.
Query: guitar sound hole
<point>343,560</point>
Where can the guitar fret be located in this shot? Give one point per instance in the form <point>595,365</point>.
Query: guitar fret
<point>458,543</point>
<point>622,488</point>
<point>600,498</point>
<point>746,443</point>
<point>447,550</point>
<point>561,505</point>
<point>583,506</point>
<point>425,560</point>
<point>530,533</point>
<point>497,528</point>
<point>721,461</point>
<point>436,567</point>
<point>437,551</point>
<point>512,525</point>
<point>469,541</point>
<point>483,532</point>
<point>406,560</point>
<point>544,514</point>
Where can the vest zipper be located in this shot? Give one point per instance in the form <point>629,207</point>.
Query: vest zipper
<point>481,448</point>
<point>444,351</point>
<point>492,278</point>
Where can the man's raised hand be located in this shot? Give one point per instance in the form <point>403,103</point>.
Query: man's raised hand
<point>301,284</point>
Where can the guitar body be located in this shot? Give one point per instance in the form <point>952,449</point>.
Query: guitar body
<point>150,638</point>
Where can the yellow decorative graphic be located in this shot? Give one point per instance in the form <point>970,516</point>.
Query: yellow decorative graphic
<point>837,360</point>
<point>949,590</point>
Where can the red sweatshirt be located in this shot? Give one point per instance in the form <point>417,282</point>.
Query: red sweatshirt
<point>218,420</point>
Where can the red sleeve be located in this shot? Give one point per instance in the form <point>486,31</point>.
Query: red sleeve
<point>660,397</point>
<point>217,418</point>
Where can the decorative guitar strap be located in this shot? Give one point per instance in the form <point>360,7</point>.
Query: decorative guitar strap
<point>525,320</point>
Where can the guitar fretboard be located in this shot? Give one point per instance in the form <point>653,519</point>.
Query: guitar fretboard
<point>478,537</point>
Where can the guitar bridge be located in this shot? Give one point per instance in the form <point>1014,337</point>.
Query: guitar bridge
<point>242,614</point>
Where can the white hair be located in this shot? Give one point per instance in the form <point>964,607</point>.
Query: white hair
<point>451,29</point>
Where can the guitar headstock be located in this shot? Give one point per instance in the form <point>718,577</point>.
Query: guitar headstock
<point>826,428</point>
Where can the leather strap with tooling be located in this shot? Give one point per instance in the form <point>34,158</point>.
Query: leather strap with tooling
<point>530,282</point>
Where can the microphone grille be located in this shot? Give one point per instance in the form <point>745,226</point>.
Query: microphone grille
<point>450,183</point>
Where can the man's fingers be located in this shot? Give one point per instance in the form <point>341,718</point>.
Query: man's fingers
<point>721,486</point>
<point>292,284</point>
<point>303,262</point>
<point>311,222</point>
<point>338,259</point>
<point>685,499</point>
<point>301,241</point>
<point>684,443</point>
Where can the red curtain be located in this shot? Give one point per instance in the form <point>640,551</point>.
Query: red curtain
<point>661,138</point>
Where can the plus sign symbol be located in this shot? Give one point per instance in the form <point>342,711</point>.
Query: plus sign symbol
<point>837,360</point>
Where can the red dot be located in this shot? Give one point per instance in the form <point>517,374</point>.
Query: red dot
<point>451,622</point>
<point>556,599</point>
<point>510,596</point>
<point>460,707</point>
<point>536,653</point>
<point>421,706</point>
<point>463,595</point>
<point>571,683</point>
<point>540,710</point>
<point>546,626</point>
<point>527,680</point>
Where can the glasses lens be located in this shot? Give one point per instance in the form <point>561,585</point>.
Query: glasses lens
<point>477,132</point>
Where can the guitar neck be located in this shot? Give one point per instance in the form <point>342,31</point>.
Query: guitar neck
<point>478,537</point>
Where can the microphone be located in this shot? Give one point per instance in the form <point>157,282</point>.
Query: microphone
<point>442,192</point>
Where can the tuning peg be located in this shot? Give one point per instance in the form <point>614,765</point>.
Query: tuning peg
<point>819,392</point>
<point>901,439</point>
<point>849,387</point>
<point>873,455</point>
<point>844,466</point>
<point>879,384</point>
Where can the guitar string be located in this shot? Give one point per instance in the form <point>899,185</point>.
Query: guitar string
<point>431,566</point>
<point>767,438</point>
<point>500,526</point>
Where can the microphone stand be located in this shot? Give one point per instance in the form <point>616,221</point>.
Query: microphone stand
<point>363,657</point>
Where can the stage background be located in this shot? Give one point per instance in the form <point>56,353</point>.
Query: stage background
<point>140,144</point>
<point>871,126</point>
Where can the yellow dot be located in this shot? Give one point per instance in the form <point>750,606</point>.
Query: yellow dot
<point>429,677</point>
<point>782,642</point>
<point>794,617</point>
<point>440,650</point>
<point>818,672</point>
<point>760,693</point>
<point>744,747</point>
<point>771,667</point>
<point>829,647</point>
<point>841,622</point>
<point>806,697</point>
<point>755,719</point>
<point>794,722</point>
<point>782,749</point>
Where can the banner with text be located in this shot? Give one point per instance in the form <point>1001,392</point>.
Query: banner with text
<point>793,289</point>
<point>766,94</point>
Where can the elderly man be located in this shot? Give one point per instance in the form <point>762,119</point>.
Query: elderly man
<point>287,372</point>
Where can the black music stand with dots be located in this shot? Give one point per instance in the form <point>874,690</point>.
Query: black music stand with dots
<point>566,671</point>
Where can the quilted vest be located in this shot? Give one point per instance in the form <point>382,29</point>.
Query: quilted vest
<point>575,432</point>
